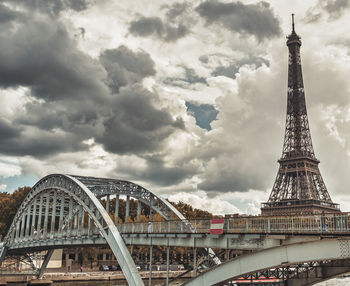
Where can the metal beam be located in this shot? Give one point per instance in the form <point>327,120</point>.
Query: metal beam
<point>53,213</point>
<point>114,239</point>
<point>45,262</point>
<point>332,249</point>
<point>127,209</point>
<point>116,212</point>
<point>3,250</point>
<point>138,211</point>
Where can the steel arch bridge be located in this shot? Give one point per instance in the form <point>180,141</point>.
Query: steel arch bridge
<point>62,210</point>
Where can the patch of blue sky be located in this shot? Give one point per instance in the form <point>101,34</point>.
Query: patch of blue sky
<point>14,182</point>
<point>203,113</point>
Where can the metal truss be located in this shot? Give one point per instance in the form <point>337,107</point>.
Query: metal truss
<point>298,264</point>
<point>63,210</point>
<point>299,187</point>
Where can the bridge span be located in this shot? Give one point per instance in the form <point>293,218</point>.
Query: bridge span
<point>72,211</point>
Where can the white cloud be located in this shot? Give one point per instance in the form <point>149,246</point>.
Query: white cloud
<point>201,201</point>
<point>240,152</point>
<point>9,167</point>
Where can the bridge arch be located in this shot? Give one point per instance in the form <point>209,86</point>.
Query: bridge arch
<point>72,199</point>
<point>60,206</point>
<point>325,250</point>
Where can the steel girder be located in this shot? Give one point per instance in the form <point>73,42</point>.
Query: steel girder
<point>82,197</point>
<point>69,199</point>
<point>281,257</point>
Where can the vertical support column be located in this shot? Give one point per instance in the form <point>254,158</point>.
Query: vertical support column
<point>70,215</point>
<point>28,221</point>
<point>17,229</point>
<point>82,219</point>
<point>76,222</point>
<point>45,262</point>
<point>116,213</point>
<point>127,209</point>
<point>46,219</point>
<point>194,258</point>
<point>60,222</point>
<point>150,265</point>
<point>40,212</point>
<point>151,209</point>
<point>53,214</point>
<point>107,203</point>
<point>33,217</point>
<point>138,211</point>
<point>89,226</point>
<point>167,263</point>
<point>22,226</point>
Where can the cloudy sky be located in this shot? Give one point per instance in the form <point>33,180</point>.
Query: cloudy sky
<point>187,98</point>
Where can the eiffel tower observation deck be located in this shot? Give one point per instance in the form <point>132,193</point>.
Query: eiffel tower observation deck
<point>299,187</point>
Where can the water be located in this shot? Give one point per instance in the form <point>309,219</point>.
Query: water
<point>336,282</point>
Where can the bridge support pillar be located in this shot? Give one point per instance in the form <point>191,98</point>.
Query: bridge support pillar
<point>194,258</point>
<point>167,263</point>
<point>45,262</point>
<point>150,265</point>
<point>116,212</point>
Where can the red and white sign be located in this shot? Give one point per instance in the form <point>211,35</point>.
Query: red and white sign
<point>217,226</point>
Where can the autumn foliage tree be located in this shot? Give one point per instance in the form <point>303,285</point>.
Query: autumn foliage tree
<point>9,204</point>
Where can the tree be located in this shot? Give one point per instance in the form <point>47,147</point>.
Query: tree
<point>9,204</point>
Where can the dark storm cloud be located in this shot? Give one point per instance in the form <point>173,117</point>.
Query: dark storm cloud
<point>126,67</point>
<point>158,173</point>
<point>176,10</point>
<point>41,56</point>
<point>6,130</point>
<point>39,144</point>
<point>6,14</point>
<point>136,125</point>
<point>154,26</point>
<point>231,69</point>
<point>252,19</point>
<point>74,97</point>
<point>52,7</point>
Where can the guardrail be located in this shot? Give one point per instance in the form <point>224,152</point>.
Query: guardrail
<point>312,224</point>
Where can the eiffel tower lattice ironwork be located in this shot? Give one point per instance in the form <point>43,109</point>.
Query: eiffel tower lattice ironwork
<point>299,187</point>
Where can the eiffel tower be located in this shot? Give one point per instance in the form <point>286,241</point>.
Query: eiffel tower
<point>299,187</point>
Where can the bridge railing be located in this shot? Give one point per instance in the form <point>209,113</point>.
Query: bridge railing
<point>312,224</point>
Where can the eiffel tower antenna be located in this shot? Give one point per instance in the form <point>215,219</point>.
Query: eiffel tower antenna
<point>299,187</point>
